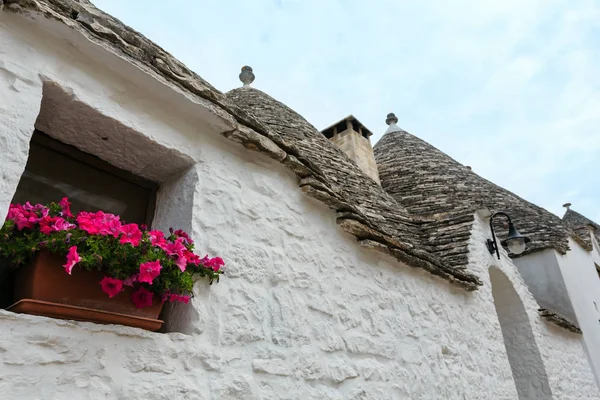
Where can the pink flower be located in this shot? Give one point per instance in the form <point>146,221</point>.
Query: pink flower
<point>148,271</point>
<point>13,211</point>
<point>62,225</point>
<point>192,258</point>
<point>46,224</point>
<point>130,234</point>
<point>109,224</point>
<point>175,249</point>
<point>214,263</point>
<point>131,280</point>
<point>66,207</point>
<point>112,227</point>
<point>99,223</point>
<point>181,262</point>
<point>88,223</point>
<point>142,297</point>
<point>72,259</point>
<point>181,234</point>
<point>23,222</point>
<point>111,286</point>
<point>157,238</point>
<point>179,298</point>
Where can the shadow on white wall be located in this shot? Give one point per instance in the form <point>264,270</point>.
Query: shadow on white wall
<point>523,353</point>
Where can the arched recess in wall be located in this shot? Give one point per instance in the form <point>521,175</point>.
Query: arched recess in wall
<point>524,356</point>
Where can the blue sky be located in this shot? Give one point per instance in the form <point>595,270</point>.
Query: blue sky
<point>511,88</point>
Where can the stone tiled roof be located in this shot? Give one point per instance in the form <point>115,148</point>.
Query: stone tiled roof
<point>581,226</point>
<point>265,125</point>
<point>364,208</point>
<point>445,194</point>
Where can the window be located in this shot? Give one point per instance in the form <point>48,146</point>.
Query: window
<point>55,170</point>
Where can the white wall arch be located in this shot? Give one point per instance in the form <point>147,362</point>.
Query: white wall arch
<point>523,354</point>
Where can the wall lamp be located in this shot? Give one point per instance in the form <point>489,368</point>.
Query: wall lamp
<point>515,242</point>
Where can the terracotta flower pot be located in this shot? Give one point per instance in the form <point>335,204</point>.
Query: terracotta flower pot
<point>44,288</point>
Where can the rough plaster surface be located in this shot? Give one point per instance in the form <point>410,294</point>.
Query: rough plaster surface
<point>17,116</point>
<point>304,312</point>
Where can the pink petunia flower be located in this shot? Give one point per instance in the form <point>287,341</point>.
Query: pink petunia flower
<point>192,258</point>
<point>111,286</point>
<point>181,234</point>
<point>176,248</point>
<point>148,271</point>
<point>142,297</point>
<point>65,204</point>
<point>72,259</point>
<point>13,211</point>
<point>108,224</point>
<point>87,222</point>
<point>46,224</point>
<point>131,280</point>
<point>157,238</point>
<point>181,262</point>
<point>111,227</point>
<point>130,234</point>
<point>62,225</point>
<point>22,221</point>
<point>214,263</point>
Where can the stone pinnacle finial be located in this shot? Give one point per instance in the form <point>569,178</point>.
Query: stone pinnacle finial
<point>391,119</point>
<point>247,76</point>
<point>567,206</point>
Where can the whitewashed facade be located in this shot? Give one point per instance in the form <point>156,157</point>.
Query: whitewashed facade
<point>303,311</point>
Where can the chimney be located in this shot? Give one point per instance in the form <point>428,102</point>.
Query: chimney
<point>354,139</point>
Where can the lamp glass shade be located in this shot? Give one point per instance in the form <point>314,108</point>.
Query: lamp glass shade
<point>516,245</point>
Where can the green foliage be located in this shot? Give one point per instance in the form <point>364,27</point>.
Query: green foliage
<point>28,230</point>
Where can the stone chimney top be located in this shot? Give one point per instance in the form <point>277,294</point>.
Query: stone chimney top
<point>567,206</point>
<point>247,76</point>
<point>392,120</point>
<point>353,138</point>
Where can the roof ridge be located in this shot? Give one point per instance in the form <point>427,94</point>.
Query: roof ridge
<point>572,217</point>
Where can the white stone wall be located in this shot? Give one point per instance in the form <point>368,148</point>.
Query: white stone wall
<point>303,312</point>
<point>583,285</point>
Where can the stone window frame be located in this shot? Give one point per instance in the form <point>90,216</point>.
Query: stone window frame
<point>71,121</point>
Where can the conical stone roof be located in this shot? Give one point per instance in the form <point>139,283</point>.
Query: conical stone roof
<point>581,226</point>
<point>435,187</point>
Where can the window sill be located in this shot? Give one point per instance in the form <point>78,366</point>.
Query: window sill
<point>119,330</point>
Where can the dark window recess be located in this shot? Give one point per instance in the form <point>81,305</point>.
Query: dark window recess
<point>55,170</point>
